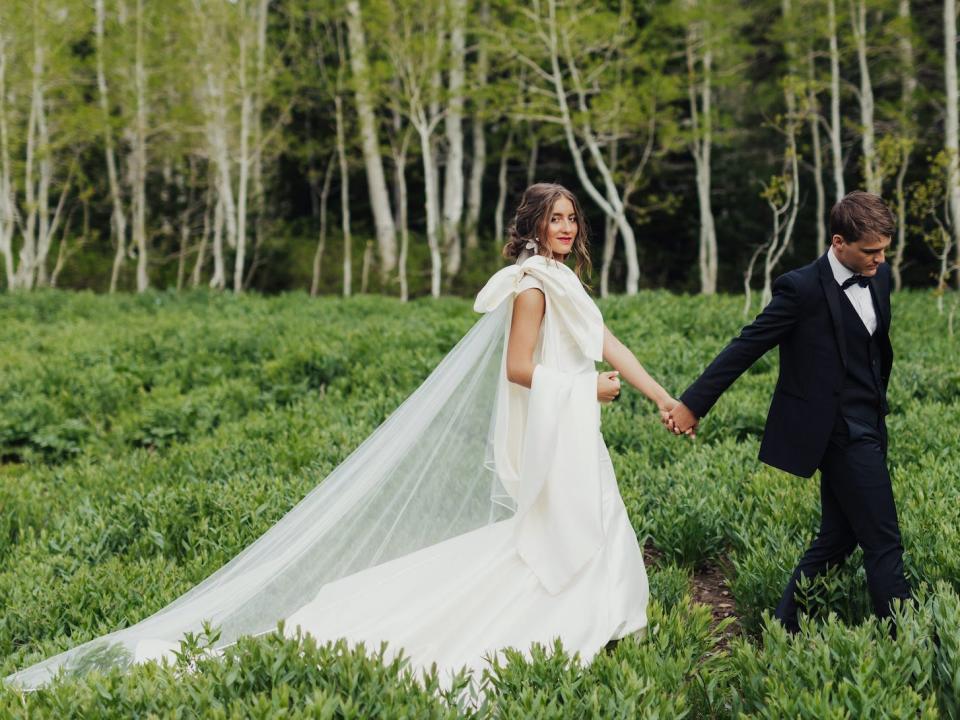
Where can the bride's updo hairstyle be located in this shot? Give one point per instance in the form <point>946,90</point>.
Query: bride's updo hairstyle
<point>532,220</point>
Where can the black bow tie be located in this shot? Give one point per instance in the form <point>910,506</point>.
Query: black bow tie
<point>860,280</point>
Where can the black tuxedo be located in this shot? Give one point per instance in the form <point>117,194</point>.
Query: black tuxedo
<point>827,412</point>
<point>804,319</point>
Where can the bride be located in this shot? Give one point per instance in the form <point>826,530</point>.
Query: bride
<point>483,514</point>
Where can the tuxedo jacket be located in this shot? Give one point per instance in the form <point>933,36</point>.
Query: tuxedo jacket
<point>804,320</point>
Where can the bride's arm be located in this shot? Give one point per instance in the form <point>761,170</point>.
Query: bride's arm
<point>621,358</point>
<point>528,311</point>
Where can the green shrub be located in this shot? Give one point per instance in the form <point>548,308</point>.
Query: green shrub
<point>163,433</point>
<point>669,584</point>
<point>832,669</point>
<point>650,676</point>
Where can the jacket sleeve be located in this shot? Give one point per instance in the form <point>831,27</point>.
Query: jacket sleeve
<point>774,323</point>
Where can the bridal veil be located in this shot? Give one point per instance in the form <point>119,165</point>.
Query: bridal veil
<point>447,461</point>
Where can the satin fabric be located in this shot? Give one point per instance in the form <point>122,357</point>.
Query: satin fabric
<point>567,565</point>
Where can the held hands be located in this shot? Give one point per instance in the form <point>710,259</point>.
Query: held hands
<point>677,418</point>
<point>608,386</point>
<point>674,415</point>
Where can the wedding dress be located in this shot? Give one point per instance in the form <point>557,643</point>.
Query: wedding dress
<point>480,516</point>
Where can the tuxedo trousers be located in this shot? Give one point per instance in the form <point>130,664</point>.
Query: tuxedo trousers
<point>857,508</point>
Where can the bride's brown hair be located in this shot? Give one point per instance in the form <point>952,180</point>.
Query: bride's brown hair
<point>532,219</point>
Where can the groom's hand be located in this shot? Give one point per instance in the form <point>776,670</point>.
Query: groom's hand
<point>666,407</point>
<point>683,421</point>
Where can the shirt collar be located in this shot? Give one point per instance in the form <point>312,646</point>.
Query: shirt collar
<point>840,271</point>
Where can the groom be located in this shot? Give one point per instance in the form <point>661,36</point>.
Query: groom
<point>830,321</point>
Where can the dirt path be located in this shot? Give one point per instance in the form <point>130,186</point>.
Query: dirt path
<point>709,587</point>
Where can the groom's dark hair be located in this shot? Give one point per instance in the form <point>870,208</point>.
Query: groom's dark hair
<point>858,214</point>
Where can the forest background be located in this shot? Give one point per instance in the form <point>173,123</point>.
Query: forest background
<point>381,146</point>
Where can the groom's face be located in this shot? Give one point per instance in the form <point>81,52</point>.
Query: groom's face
<point>862,256</point>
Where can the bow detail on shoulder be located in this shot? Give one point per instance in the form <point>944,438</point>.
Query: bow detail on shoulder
<point>572,306</point>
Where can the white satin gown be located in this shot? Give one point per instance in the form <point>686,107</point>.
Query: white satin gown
<point>567,565</point>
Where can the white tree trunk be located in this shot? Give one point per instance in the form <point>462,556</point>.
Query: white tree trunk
<point>432,206</point>
<point>784,214</point>
<point>418,62</point>
<point>186,188</point>
<point>26,271</point>
<point>118,217</point>
<point>748,276</point>
<point>399,149</point>
<point>908,77</point>
<point>246,111</point>
<point>64,251</point>
<point>479,160</point>
<point>609,227</point>
<point>896,260</point>
<point>611,204</point>
<point>943,279</point>
<point>217,133</point>
<point>707,225</point>
<point>7,206</point>
<point>784,217</point>
<point>813,118</point>
<point>204,238</point>
<point>44,230</point>
<point>344,198</point>
<point>533,157</point>
<point>376,184</point>
<point>184,245</point>
<point>502,188</point>
<point>218,281</point>
<point>951,124</point>
<point>322,238</point>
<point>140,158</point>
<point>225,213</point>
<point>49,228</point>
<point>475,187</point>
<point>365,267</point>
<point>700,97</point>
<point>836,149</point>
<point>259,195</point>
<point>399,143</point>
<point>871,175</point>
<point>908,89</point>
<point>453,126</point>
<point>609,249</point>
<point>401,179</point>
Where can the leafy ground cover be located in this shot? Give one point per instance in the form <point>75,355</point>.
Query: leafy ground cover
<point>157,435</point>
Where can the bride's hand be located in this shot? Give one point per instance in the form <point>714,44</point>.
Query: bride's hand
<point>666,407</point>
<point>608,386</point>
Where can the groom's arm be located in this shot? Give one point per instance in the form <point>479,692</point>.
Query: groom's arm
<point>774,323</point>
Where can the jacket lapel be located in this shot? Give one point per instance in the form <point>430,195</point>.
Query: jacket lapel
<point>880,299</point>
<point>832,292</point>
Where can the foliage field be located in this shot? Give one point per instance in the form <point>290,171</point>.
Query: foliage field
<point>156,436</point>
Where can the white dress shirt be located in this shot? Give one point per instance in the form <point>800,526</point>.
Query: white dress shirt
<point>860,297</point>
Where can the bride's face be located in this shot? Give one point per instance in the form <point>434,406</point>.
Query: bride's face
<point>562,228</point>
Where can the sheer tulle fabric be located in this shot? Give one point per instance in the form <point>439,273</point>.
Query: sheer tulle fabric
<point>479,515</point>
<point>420,478</point>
